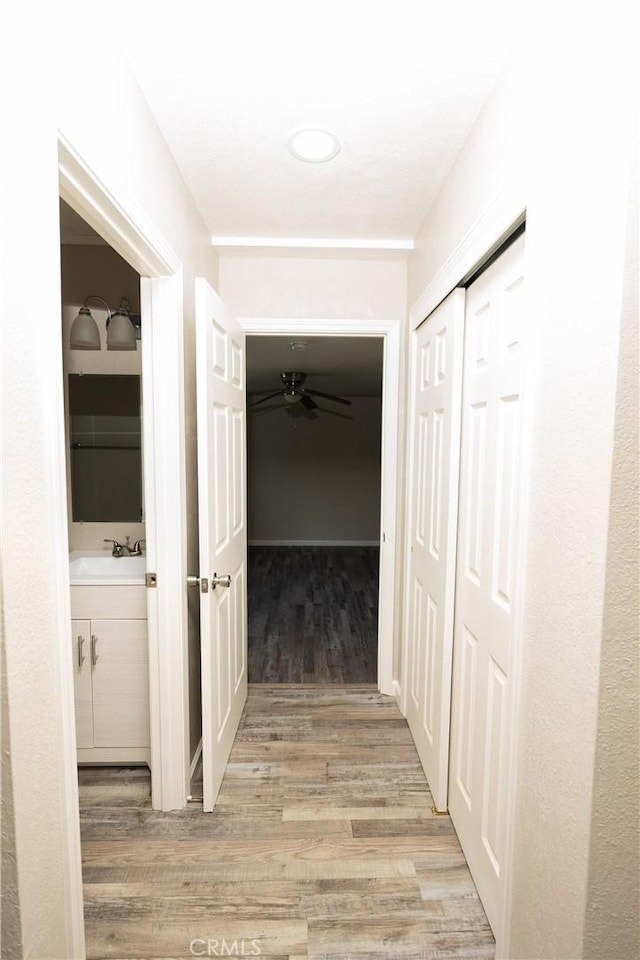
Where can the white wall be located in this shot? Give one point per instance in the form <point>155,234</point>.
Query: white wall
<point>322,287</point>
<point>615,825</point>
<point>571,122</point>
<point>315,480</point>
<point>104,117</point>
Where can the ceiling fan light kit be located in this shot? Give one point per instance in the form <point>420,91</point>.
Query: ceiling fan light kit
<point>299,399</point>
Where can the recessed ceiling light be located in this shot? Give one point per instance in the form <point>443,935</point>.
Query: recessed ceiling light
<point>314,146</point>
<point>299,345</point>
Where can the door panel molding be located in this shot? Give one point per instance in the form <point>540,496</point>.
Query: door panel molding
<point>431,524</point>
<point>489,577</point>
<point>223,532</point>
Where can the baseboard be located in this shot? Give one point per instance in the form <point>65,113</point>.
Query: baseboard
<point>314,543</point>
<point>397,692</point>
<point>196,757</point>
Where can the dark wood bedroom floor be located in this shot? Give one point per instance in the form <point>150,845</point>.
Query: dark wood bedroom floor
<point>313,614</point>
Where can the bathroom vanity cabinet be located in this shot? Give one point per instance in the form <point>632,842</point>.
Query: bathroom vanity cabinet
<point>109,646</point>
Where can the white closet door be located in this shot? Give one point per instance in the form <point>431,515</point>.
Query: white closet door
<point>488,556</point>
<point>433,467</point>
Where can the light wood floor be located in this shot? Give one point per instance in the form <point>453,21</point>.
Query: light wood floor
<point>322,845</point>
<point>313,614</point>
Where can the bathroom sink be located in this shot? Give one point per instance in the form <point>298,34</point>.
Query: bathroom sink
<point>93,567</point>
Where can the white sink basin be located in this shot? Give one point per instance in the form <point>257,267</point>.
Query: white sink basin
<point>93,567</point>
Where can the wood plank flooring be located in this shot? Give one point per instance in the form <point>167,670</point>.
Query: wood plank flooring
<point>313,614</point>
<point>322,845</point>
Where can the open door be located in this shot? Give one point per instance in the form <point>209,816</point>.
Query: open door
<point>434,457</point>
<point>221,409</point>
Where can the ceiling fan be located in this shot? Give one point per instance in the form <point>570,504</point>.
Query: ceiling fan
<point>299,399</point>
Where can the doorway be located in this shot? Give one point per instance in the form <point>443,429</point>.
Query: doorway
<point>314,493</point>
<point>388,340</point>
<point>160,271</point>
<point>102,375</point>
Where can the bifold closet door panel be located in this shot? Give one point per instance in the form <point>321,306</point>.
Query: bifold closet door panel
<point>487,591</point>
<point>433,468</point>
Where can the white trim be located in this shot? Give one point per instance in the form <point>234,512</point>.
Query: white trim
<point>314,543</point>
<point>119,220</point>
<point>390,331</point>
<point>492,227</point>
<point>59,572</point>
<point>135,238</point>
<point>310,243</point>
<point>397,693</point>
<point>196,758</point>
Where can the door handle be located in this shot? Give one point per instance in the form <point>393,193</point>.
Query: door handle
<point>217,581</point>
<point>81,656</point>
<point>197,582</point>
<point>94,650</point>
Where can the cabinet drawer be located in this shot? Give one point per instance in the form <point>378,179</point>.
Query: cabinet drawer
<point>124,601</point>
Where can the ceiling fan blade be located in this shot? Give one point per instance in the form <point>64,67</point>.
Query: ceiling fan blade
<point>259,413</point>
<point>328,396</point>
<point>335,413</point>
<point>308,402</point>
<point>270,396</point>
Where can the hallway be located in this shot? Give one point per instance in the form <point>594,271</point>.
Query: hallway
<point>322,845</point>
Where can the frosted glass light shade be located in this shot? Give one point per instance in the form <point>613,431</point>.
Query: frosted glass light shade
<point>314,146</point>
<point>84,334</point>
<point>121,334</point>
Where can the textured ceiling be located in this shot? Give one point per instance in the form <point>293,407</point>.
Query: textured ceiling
<point>400,84</point>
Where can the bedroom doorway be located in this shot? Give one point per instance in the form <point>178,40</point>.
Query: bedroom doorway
<point>322,415</point>
<point>314,411</point>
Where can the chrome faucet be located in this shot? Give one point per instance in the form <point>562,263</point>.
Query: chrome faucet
<point>137,548</point>
<point>122,549</point>
<point>117,547</point>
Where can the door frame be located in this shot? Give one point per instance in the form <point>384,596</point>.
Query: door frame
<point>389,331</point>
<point>136,239</point>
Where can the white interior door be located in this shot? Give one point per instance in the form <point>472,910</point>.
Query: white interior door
<point>489,532</point>
<point>433,468</point>
<point>220,347</point>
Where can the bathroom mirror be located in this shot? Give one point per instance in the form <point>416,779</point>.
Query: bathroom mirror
<point>105,435</point>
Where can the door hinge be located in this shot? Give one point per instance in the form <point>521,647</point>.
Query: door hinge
<point>151,580</point>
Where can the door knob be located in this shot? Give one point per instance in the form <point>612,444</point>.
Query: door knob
<point>197,582</point>
<point>217,581</point>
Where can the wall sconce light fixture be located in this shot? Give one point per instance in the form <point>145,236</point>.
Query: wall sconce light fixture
<point>121,333</point>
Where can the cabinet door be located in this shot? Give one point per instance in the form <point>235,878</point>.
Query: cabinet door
<point>81,654</point>
<point>120,683</point>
